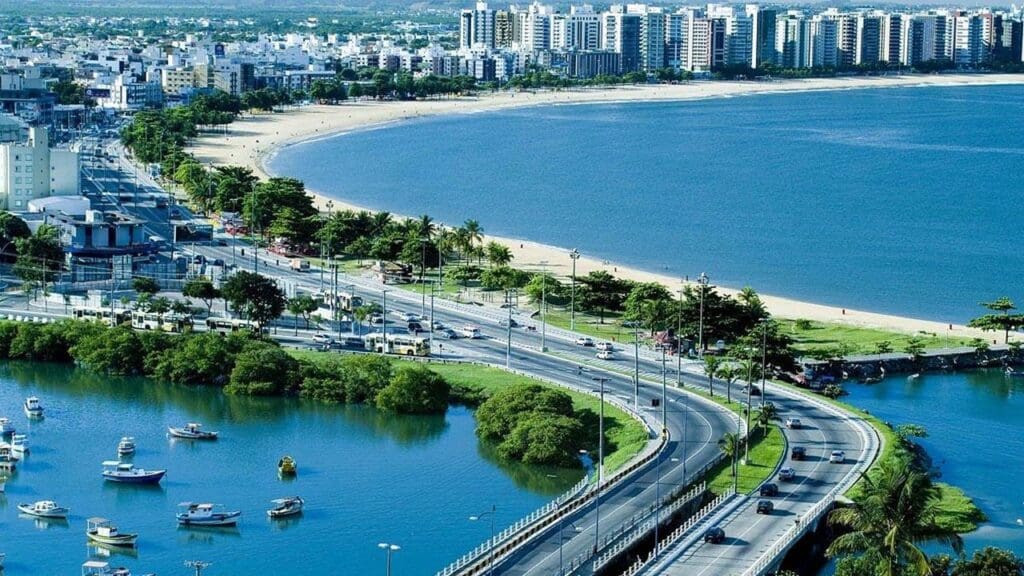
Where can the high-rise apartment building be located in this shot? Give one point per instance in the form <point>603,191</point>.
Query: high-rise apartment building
<point>476,27</point>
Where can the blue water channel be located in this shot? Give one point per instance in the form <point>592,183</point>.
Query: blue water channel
<point>899,200</point>
<point>367,477</point>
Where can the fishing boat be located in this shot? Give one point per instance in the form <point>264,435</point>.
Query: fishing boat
<point>126,446</point>
<point>6,428</point>
<point>191,431</point>
<point>44,509</point>
<point>104,531</point>
<point>116,471</point>
<point>19,444</point>
<point>99,568</point>
<point>286,466</point>
<point>284,507</point>
<point>206,515</point>
<point>33,409</point>
<point>7,457</point>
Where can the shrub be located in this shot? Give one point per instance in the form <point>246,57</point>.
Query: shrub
<point>263,370</point>
<point>415,390</point>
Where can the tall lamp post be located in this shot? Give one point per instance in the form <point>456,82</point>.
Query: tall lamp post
<point>636,361</point>
<point>702,281</point>
<point>544,305</point>
<point>508,328</point>
<point>490,548</point>
<point>388,550</point>
<point>575,255</point>
<point>600,466</point>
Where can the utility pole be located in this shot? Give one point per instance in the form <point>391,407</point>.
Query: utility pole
<point>431,328</point>
<point>574,255</point>
<point>543,305</point>
<point>600,467</point>
<point>702,281</point>
<point>508,328</point>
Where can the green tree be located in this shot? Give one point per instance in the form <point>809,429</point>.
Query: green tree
<point>546,287</point>
<point>914,347</point>
<point>504,278</point>
<point>414,390</point>
<point>712,368</point>
<point>302,305</point>
<point>203,289</point>
<point>255,296</point>
<point>731,444</point>
<point>145,285</point>
<point>263,370</point>
<point>39,258</point>
<point>544,439</point>
<point>651,304</point>
<point>894,512</point>
<point>765,416</point>
<point>990,562</point>
<point>498,254</point>
<point>1001,320</point>
<point>602,292</point>
<point>11,229</point>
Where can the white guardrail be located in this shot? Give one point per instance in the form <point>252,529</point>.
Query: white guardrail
<point>804,523</point>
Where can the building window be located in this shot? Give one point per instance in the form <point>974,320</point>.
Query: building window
<point>17,180</point>
<point>17,202</point>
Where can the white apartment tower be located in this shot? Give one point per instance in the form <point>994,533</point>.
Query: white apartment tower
<point>823,38</point>
<point>476,27</point>
<point>791,40</point>
<point>33,170</point>
<point>652,35</point>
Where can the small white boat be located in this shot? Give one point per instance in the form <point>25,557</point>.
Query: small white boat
<point>19,444</point>
<point>98,568</point>
<point>33,409</point>
<point>6,428</point>
<point>44,509</point>
<point>284,507</point>
<point>206,515</point>
<point>125,473</point>
<point>7,457</point>
<point>191,431</point>
<point>126,446</point>
<point>103,531</point>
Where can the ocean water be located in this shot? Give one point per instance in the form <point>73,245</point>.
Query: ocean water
<point>904,200</point>
<point>367,478</point>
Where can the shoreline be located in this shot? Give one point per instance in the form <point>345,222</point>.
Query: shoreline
<point>254,140</point>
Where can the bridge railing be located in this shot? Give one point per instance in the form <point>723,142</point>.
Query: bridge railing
<point>806,522</point>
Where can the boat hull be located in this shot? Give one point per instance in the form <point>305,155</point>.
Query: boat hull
<point>284,513</point>
<point>153,478</point>
<point>58,514</point>
<point>123,541</point>
<point>177,433</point>
<point>222,520</point>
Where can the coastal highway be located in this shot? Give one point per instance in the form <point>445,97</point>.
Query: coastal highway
<point>750,535</point>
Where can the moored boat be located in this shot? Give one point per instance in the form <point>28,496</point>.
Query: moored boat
<point>284,507</point>
<point>206,515</point>
<point>7,457</point>
<point>33,409</point>
<point>286,466</point>
<point>126,446</point>
<point>105,532</point>
<point>191,431</point>
<point>6,427</point>
<point>99,568</point>
<point>116,471</point>
<point>44,509</point>
<point>19,444</point>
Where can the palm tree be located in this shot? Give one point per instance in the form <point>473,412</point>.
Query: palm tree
<point>764,418</point>
<point>730,373</point>
<point>498,254</point>
<point>380,222</point>
<point>712,364</point>
<point>474,233</point>
<point>730,444</point>
<point>895,512</point>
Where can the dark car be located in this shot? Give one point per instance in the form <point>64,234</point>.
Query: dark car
<point>415,327</point>
<point>769,490</point>
<point>765,507</point>
<point>505,323</point>
<point>714,535</point>
<point>798,453</point>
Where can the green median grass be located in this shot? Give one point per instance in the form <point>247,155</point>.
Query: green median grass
<point>765,453</point>
<point>812,336</point>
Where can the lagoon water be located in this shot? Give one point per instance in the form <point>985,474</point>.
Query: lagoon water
<point>366,477</point>
<point>974,438</point>
<point>905,201</point>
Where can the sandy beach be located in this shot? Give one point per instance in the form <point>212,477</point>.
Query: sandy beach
<point>253,139</point>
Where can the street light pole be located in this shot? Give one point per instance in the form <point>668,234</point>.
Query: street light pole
<point>764,361</point>
<point>574,255</point>
<point>508,346</point>
<point>388,549</point>
<point>490,546</point>
<point>544,305</point>
<point>702,281</point>
<point>431,328</point>
<point>384,318</point>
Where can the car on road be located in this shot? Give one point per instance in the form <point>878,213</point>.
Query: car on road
<point>376,319</point>
<point>754,390</point>
<point>765,507</point>
<point>415,328</point>
<point>605,346</point>
<point>798,453</point>
<point>447,333</point>
<point>438,325</point>
<point>221,242</point>
<point>504,323</point>
<point>769,490</point>
<point>837,457</point>
<point>787,474</point>
<point>714,535</point>
<point>606,355</point>
<point>321,338</point>
<point>793,423</point>
<point>584,341</point>
<point>471,332</point>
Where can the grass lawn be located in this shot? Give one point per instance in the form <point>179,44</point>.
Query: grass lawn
<point>612,327</point>
<point>856,340</point>
<point>957,511</point>
<point>765,453</point>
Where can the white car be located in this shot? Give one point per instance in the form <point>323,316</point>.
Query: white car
<point>606,355</point>
<point>605,346</point>
<point>837,457</point>
<point>584,341</point>
<point>322,338</point>
<point>787,474</point>
<point>793,423</point>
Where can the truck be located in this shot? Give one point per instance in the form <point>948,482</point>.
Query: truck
<point>300,265</point>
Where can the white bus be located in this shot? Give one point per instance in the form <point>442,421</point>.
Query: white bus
<point>226,326</point>
<point>169,322</point>
<point>471,332</point>
<point>101,315</point>
<point>401,344</point>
